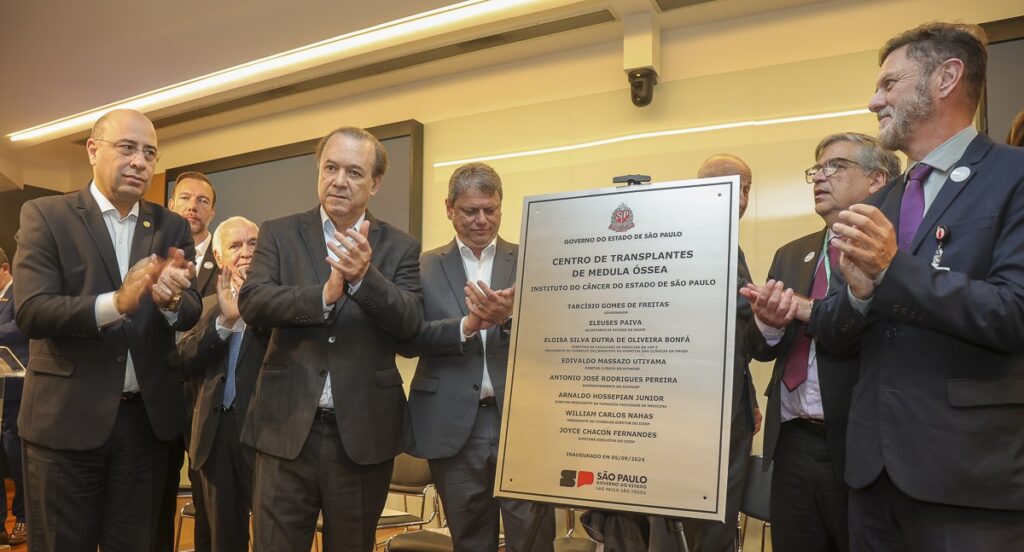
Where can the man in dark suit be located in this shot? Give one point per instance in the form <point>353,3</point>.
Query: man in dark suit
<point>338,289</point>
<point>457,395</point>
<point>714,536</point>
<point>12,338</point>
<point>931,302</point>
<point>194,198</point>
<point>809,393</point>
<point>223,356</point>
<point>101,308</point>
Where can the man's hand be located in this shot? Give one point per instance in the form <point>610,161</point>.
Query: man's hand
<point>353,261</point>
<point>860,284</point>
<point>757,420</point>
<point>491,307</point>
<point>175,275</point>
<point>867,239</point>
<point>772,303</point>
<point>137,283</point>
<point>227,296</point>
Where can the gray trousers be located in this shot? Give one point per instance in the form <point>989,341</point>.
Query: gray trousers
<point>465,483</point>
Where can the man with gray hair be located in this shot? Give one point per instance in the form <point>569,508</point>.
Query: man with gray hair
<point>930,301</point>
<point>337,289</point>
<point>223,354</point>
<point>805,420</point>
<point>457,395</point>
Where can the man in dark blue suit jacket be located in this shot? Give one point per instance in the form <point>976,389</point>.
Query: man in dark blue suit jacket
<point>931,299</point>
<point>17,342</point>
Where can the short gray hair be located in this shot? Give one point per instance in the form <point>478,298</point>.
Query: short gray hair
<point>871,155</point>
<point>477,176</point>
<point>216,245</point>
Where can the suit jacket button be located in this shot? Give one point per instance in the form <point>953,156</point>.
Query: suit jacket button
<point>121,358</point>
<point>128,319</point>
<point>332,339</point>
<point>476,387</point>
<point>323,373</point>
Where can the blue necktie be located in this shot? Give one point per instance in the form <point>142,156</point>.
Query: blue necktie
<point>235,345</point>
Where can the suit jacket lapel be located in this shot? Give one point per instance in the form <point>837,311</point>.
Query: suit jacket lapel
<point>455,273</point>
<point>503,272</point>
<point>142,241</point>
<point>92,219</point>
<point>205,273</point>
<point>951,188</point>
<point>805,273</point>
<point>312,233</point>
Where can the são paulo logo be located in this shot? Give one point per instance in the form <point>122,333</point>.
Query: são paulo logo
<point>574,478</point>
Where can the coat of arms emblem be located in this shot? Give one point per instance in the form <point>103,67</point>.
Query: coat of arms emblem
<point>622,218</point>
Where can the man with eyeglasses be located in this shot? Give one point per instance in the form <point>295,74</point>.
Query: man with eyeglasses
<point>101,305</point>
<point>809,392</point>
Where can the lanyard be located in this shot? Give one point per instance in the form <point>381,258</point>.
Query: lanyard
<point>827,261</point>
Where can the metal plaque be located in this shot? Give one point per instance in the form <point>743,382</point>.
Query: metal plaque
<point>619,389</point>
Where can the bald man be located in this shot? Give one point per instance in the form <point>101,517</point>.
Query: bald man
<point>713,536</point>
<point>101,305</point>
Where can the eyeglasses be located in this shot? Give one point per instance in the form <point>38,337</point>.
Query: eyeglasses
<point>831,167</point>
<point>129,149</point>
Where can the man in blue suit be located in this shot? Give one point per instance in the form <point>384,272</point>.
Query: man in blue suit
<point>11,337</point>
<point>930,297</point>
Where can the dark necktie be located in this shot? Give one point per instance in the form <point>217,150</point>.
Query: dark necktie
<point>795,372</point>
<point>234,346</point>
<point>912,207</point>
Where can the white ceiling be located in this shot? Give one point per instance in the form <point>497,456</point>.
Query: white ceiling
<point>58,58</point>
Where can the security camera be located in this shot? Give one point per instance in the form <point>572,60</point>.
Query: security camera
<point>641,85</point>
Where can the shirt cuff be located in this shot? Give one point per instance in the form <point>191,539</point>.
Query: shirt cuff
<point>354,286</point>
<point>169,316</point>
<point>225,331</point>
<point>106,310</point>
<point>881,275</point>
<point>861,305</point>
<point>462,330</point>
<point>772,336</point>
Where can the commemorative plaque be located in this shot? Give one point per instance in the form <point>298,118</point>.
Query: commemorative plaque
<point>619,384</point>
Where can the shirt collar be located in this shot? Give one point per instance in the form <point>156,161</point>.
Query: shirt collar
<point>465,250</point>
<point>949,152</point>
<point>328,224</point>
<point>3,292</point>
<point>202,246</point>
<point>106,206</point>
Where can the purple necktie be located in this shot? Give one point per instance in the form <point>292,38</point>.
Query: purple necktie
<point>912,208</point>
<point>795,371</point>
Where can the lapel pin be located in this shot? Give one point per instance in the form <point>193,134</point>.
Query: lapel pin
<point>208,265</point>
<point>941,234</point>
<point>809,256</point>
<point>146,223</point>
<point>960,174</point>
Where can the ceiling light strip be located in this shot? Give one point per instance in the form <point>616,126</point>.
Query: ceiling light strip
<point>279,64</point>
<point>654,134</point>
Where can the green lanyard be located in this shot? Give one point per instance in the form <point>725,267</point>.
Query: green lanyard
<point>827,261</point>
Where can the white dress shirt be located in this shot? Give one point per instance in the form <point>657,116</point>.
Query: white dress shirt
<point>479,270</point>
<point>122,232</point>
<point>326,396</point>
